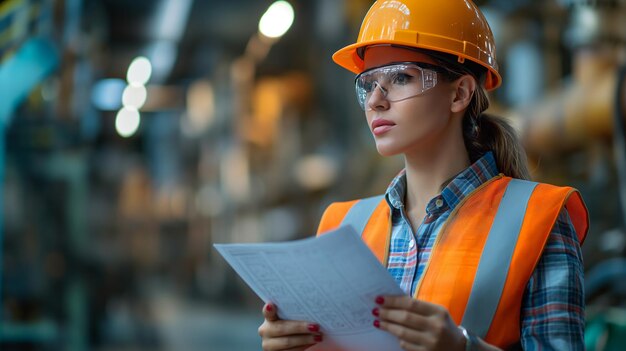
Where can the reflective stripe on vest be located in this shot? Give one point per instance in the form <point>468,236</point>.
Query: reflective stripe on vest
<point>496,258</point>
<point>492,270</point>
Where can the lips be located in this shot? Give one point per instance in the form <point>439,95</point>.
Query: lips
<point>381,126</point>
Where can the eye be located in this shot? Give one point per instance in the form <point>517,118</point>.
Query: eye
<point>401,78</point>
<point>367,85</point>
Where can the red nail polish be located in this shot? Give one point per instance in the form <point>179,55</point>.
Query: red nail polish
<point>377,324</point>
<point>375,312</point>
<point>380,300</point>
<point>314,327</point>
<point>318,338</point>
<point>268,308</point>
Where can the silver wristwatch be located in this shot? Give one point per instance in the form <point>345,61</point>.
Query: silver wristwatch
<point>471,344</point>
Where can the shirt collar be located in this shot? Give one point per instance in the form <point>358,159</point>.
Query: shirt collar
<point>456,190</point>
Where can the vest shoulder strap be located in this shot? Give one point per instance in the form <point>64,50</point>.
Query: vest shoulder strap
<point>360,213</point>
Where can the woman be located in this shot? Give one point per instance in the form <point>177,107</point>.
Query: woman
<point>488,260</point>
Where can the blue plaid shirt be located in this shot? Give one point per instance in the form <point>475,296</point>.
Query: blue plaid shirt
<point>552,316</point>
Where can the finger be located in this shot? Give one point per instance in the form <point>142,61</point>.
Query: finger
<point>403,317</point>
<point>408,303</point>
<point>269,312</point>
<point>287,328</point>
<point>409,339</point>
<point>296,342</point>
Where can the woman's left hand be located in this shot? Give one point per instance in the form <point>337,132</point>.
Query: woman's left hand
<point>419,325</point>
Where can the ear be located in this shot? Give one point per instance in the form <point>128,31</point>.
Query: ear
<point>463,93</point>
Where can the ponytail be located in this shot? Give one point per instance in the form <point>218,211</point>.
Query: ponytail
<point>483,132</point>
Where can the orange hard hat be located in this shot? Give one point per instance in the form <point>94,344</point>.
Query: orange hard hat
<point>455,27</point>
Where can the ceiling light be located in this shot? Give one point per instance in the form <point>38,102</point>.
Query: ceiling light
<point>134,96</point>
<point>139,71</point>
<point>277,20</point>
<point>127,122</point>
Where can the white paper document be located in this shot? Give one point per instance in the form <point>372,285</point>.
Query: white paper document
<point>331,280</point>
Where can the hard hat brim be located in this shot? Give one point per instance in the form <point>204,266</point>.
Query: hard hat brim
<point>349,58</point>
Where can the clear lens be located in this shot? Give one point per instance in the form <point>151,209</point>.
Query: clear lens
<point>395,82</point>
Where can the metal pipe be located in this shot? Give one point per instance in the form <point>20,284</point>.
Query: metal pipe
<point>577,115</point>
<point>619,141</point>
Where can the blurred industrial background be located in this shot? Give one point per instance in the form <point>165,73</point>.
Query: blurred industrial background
<point>135,134</point>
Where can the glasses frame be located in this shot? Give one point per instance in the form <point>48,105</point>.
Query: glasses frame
<point>421,66</point>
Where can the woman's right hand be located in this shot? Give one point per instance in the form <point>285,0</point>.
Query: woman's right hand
<point>280,335</point>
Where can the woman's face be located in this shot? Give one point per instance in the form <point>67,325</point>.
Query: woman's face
<point>412,125</point>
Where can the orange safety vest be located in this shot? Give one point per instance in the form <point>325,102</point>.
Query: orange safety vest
<point>451,274</point>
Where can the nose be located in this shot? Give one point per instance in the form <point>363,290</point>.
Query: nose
<point>378,99</point>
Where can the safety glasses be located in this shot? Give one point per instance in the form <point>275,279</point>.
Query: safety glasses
<point>396,82</point>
